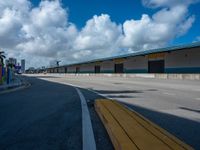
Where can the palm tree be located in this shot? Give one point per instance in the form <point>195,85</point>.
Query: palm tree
<point>2,57</point>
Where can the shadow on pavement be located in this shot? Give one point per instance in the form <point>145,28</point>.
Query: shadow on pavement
<point>121,96</point>
<point>193,110</point>
<point>185,129</point>
<point>46,77</point>
<point>42,114</point>
<point>101,137</point>
<point>118,92</point>
<point>47,115</point>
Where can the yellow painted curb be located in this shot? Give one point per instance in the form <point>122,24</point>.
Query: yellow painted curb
<point>128,130</point>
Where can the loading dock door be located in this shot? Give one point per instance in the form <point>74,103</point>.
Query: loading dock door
<point>119,68</point>
<point>156,66</point>
<point>97,69</point>
<point>77,69</point>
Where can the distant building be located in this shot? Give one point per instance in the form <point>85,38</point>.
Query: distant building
<point>11,61</point>
<point>177,59</point>
<point>18,68</point>
<point>23,65</point>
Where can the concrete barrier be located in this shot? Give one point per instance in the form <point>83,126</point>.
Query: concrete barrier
<point>157,76</point>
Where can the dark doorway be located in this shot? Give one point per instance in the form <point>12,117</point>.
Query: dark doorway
<point>156,66</point>
<point>97,69</point>
<point>77,69</point>
<point>65,69</point>
<point>119,68</point>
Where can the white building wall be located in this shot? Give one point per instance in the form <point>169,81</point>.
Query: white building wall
<point>107,66</point>
<point>136,64</point>
<point>183,61</point>
<point>71,69</point>
<point>87,68</point>
<point>175,61</point>
<point>61,70</point>
<point>183,58</point>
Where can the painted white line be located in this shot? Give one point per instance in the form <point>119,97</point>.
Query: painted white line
<point>99,94</point>
<point>88,135</point>
<point>107,97</point>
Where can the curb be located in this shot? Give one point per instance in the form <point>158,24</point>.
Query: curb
<point>15,87</point>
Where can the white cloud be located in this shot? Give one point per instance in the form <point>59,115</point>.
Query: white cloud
<point>167,3</point>
<point>98,38</point>
<point>100,32</point>
<point>47,31</point>
<point>156,31</point>
<point>44,33</point>
<point>10,26</point>
<point>197,39</point>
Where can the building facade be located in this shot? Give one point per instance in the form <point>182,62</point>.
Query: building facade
<point>23,65</point>
<point>182,59</point>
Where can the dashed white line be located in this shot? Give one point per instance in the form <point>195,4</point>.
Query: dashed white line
<point>88,135</point>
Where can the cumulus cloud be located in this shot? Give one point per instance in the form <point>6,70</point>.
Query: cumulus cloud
<point>166,3</point>
<point>48,32</point>
<point>44,33</point>
<point>162,27</point>
<point>197,39</point>
<point>11,19</point>
<point>99,35</point>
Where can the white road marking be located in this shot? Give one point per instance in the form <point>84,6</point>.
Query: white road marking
<point>198,98</point>
<point>103,95</point>
<point>99,94</point>
<point>88,135</point>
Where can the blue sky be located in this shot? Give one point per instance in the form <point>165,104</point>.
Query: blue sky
<point>121,10</point>
<point>194,32</point>
<point>80,30</point>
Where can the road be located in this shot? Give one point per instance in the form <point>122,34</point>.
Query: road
<point>46,115</point>
<point>41,116</point>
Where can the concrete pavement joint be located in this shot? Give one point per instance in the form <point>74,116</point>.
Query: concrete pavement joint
<point>88,135</point>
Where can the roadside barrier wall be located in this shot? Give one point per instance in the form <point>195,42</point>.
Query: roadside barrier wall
<point>157,76</point>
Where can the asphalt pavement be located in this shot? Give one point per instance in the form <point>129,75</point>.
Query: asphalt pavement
<point>172,104</point>
<point>47,115</point>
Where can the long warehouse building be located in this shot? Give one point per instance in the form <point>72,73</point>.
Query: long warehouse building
<point>178,59</point>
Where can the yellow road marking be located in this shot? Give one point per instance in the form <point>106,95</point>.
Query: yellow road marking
<point>119,139</point>
<point>139,132</point>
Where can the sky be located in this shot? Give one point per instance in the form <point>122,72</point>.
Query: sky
<point>78,30</point>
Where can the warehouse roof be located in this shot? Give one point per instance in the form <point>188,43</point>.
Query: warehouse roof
<point>140,53</point>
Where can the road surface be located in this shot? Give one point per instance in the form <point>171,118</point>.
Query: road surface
<point>46,115</point>
<point>41,116</point>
